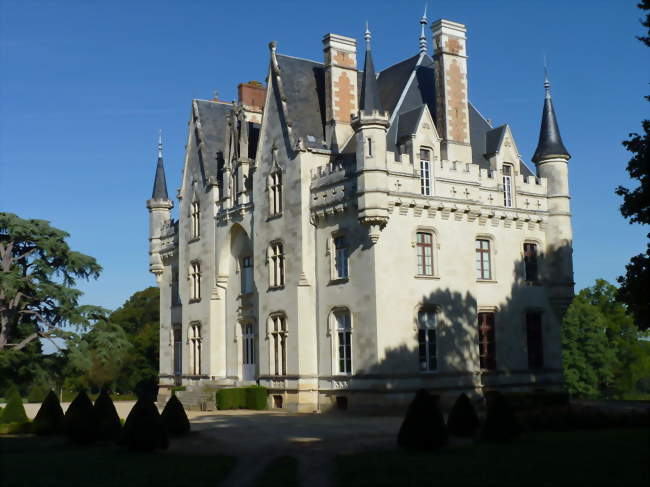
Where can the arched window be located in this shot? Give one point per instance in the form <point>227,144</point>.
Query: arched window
<point>424,251</point>
<point>195,281</point>
<point>278,333</point>
<point>275,193</point>
<point>427,346</point>
<point>276,265</point>
<point>343,340</point>
<point>507,185</point>
<point>483,259</point>
<point>339,257</point>
<point>530,262</point>
<point>196,219</point>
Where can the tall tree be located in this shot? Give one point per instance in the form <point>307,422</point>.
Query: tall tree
<point>636,206</point>
<point>38,272</point>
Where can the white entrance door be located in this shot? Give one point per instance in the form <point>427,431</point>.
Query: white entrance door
<point>248,352</point>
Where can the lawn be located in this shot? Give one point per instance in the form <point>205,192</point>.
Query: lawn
<point>280,472</point>
<point>612,457</point>
<point>34,461</point>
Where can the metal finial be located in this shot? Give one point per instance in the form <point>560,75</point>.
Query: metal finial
<point>159,143</point>
<point>547,83</point>
<point>367,36</point>
<point>423,38</point>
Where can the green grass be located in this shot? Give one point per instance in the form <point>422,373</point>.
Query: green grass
<point>280,472</point>
<point>613,457</point>
<point>48,462</point>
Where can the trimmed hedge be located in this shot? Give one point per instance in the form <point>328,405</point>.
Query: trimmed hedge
<point>50,418</point>
<point>144,429</point>
<point>16,428</point>
<point>463,420</point>
<point>501,423</point>
<point>174,418</point>
<point>108,422</point>
<point>253,397</point>
<point>14,411</point>
<point>423,427</point>
<point>81,420</point>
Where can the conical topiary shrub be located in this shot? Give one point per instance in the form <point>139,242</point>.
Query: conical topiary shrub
<point>108,422</point>
<point>501,423</point>
<point>423,427</point>
<point>50,419</point>
<point>80,420</point>
<point>144,429</point>
<point>14,411</point>
<point>174,418</point>
<point>463,420</point>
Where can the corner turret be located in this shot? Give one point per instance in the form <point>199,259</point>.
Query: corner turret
<point>370,126</point>
<point>159,207</point>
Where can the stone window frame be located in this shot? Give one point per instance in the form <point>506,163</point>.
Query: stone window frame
<point>435,248</point>
<point>428,182</point>
<point>331,252</point>
<point>537,243</point>
<point>275,189</point>
<point>194,276</point>
<point>195,219</point>
<point>276,263</point>
<point>278,341</point>
<point>417,328</point>
<point>491,255</point>
<point>333,332</point>
<point>509,185</point>
<point>491,356</point>
<point>194,340</point>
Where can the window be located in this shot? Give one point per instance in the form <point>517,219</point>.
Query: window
<point>248,344</point>
<point>424,246</point>
<point>195,348</point>
<point>235,185</point>
<point>340,267</point>
<point>427,340</point>
<point>278,327</point>
<point>425,172</point>
<point>530,262</point>
<point>178,351</point>
<point>369,142</point>
<point>176,298</point>
<point>195,281</point>
<point>534,340</point>
<point>247,275</point>
<point>343,341</point>
<point>276,265</point>
<point>275,193</point>
<point>486,345</point>
<point>483,270</point>
<point>507,185</point>
<point>196,219</point>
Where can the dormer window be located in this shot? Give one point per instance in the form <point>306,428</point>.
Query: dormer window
<point>507,185</point>
<point>425,172</point>
<point>196,219</point>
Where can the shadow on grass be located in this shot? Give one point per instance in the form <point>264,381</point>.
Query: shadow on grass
<point>280,472</point>
<point>40,461</point>
<point>613,457</point>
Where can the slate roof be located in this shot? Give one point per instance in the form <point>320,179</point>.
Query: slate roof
<point>213,118</point>
<point>550,142</point>
<point>493,139</point>
<point>160,182</point>
<point>369,91</point>
<point>392,80</point>
<point>407,122</point>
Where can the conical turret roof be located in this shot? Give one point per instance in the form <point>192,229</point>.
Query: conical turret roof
<point>369,90</point>
<point>550,142</point>
<point>160,183</point>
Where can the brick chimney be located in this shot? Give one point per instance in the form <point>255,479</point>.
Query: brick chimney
<point>340,87</point>
<point>252,94</point>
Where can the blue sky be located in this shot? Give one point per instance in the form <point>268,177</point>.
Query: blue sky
<point>85,86</point>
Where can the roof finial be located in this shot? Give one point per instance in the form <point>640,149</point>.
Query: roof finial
<point>367,37</point>
<point>423,38</point>
<point>159,143</point>
<point>547,83</point>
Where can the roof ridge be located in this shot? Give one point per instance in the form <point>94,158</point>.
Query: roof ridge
<point>300,58</point>
<point>397,64</point>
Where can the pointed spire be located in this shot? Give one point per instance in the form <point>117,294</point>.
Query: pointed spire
<point>160,182</point>
<point>369,90</point>
<point>423,38</point>
<point>550,142</point>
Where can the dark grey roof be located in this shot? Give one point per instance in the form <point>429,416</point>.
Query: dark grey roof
<point>213,117</point>
<point>407,122</point>
<point>369,91</point>
<point>550,141</point>
<point>493,139</point>
<point>392,81</point>
<point>478,130</point>
<point>160,183</point>
<point>303,82</point>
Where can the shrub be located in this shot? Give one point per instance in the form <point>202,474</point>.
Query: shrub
<point>423,427</point>
<point>50,419</point>
<point>174,418</point>
<point>147,387</point>
<point>108,422</point>
<point>37,392</point>
<point>81,421</point>
<point>14,411</point>
<point>16,428</point>
<point>144,429</point>
<point>255,397</point>
<point>501,423</point>
<point>462,420</point>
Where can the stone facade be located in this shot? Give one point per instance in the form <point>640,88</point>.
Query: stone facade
<point>345,252</point>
